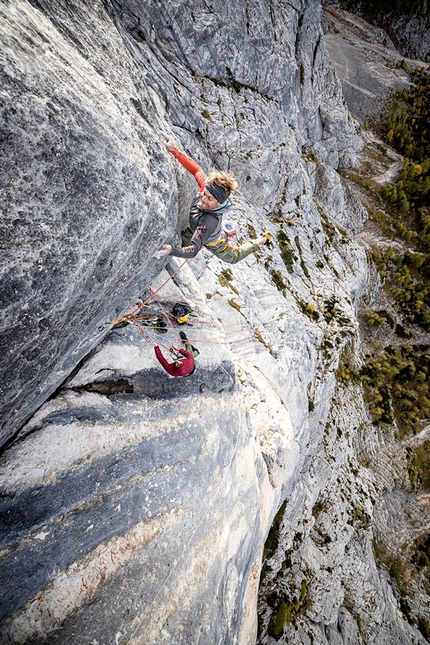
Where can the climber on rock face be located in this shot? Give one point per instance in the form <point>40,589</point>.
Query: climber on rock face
<point>207,208</point>
<point>181,366</point>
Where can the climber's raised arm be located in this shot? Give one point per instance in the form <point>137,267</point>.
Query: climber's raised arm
<point>206,212</point>
<point>188,163</point>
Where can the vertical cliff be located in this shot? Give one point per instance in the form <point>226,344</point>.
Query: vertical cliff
<point>135,506</point>
<point>85,180</point>
<point>406,23</point>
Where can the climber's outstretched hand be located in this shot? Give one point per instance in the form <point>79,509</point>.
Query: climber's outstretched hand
<point>166,250</point>
<point>169,141</point>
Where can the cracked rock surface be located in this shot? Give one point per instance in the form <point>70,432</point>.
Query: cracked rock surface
<point>136,506</point>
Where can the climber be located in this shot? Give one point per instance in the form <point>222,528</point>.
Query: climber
<point>207,209</point>
<point>180,366</point>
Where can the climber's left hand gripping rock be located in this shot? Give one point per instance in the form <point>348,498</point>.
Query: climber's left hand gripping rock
<point>166,250</point>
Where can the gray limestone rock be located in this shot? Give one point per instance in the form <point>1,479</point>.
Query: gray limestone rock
<point>359,52</point>
<point>139,484</point>
<point>93,192</point>
<point>405,25</point>
<point>87,193</point>
<point>135,505</point>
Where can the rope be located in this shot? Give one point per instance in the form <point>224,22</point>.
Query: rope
<point>127,317</point>
<point>167,314</point>
<point>154,293</point>
<point>147,336</point>
<point>132,316</point>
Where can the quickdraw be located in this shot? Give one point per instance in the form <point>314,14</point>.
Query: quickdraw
<point>157,323</point>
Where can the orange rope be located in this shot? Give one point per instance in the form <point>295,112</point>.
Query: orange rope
<point>154,293</point>
<point>131,316</point>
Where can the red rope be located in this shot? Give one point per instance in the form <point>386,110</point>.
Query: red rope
<point>131,317</point>
<point>154,293</point>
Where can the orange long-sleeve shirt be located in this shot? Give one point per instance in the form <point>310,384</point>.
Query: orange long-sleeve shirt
<point>204,223</point>
<point>192,167</point>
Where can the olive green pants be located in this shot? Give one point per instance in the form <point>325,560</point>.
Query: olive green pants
<point>191,349</point>
<point>223,250</point>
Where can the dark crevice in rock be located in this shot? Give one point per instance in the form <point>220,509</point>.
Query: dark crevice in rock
<point>120,386</point>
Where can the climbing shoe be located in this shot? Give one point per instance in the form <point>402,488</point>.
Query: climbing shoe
<point>269,238</point>
<point>183,335</point>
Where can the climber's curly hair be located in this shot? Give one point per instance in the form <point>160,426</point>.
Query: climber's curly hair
<point>224,179</point>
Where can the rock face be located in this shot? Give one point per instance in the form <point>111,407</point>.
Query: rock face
<point>360,52</point>
<point>406,24</point>
<point>87,193</point>
<point>148,491</point>
<point>136,506</point>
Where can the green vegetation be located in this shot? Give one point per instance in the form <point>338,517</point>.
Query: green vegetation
<point>286,251</point>
<point>395,381</point>
<point>325,348</point>
<point>310,156</point>
<point>318,508</point>
<point>390,8</point>
<point>407,276</point>
<point>279,282</point>
<point>380,217</point>
<point>272,541</point>
<point>331,312</point>
<point>421,553</point>
<point>361,179</point>
<point>424,627</point>
<point>362,516</point>
<point>286,609</point>
<point>276,217</point>
<point>396,377</point>
<point>227,274</point>
<point>347,374</point>
<point>407,130</point>
<point>328,227</point>
<point>379,318</point>
<point>311,311</point>
<point>397,385</point>
<point>419,466</point>
<point>308,309</point>
<point>225,278</point>
<point>280,618</point>
<point>234,304</point>
<point>407,202</point>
